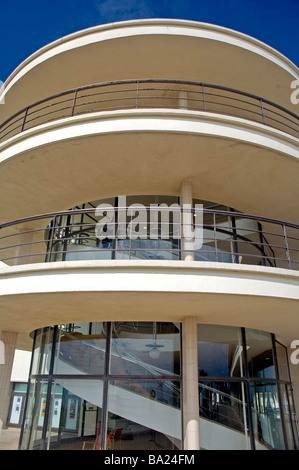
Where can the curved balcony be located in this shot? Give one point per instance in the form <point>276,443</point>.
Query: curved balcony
<point>151,93</point>
<point>107,233</point>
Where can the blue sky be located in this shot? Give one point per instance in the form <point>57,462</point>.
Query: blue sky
<point>27,25</point>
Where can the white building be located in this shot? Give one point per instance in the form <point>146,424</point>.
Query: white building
<point>142,337</point>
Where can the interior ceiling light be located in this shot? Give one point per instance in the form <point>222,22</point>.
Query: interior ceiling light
<point>154,352</point>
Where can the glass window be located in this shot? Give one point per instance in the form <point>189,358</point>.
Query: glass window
<point>219,351</point>
<point>223,418</point>
<point>282,361</point>
<point>145,348</point>
<point>42,351</point>
<point>259,354</point>
<point>266,416</point>
<point>79,350</point>
<point>75,415</point>
<point>35,414</point>
<point>144,415</point>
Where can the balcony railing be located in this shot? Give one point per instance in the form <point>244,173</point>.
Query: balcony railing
<point>83,234</point>
<point>148,94</point>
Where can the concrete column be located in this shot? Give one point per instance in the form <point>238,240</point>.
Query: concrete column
<point>187,241</point>
<point>9,340</point>
<point>190,385</point>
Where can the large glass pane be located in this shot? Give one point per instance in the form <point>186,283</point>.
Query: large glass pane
<point>144,415</point>
<point>266,416</point>
<point>293,417</point>
<point>289,417</point>
<point>42,351</point>
<point>75,415</point>
<point>35,414</point>
<point>223,416</point>
<point>145,348</point>
<point>282,362</point>
<point>219,351</point>
<point>80,350</point>
<point>259,354</point>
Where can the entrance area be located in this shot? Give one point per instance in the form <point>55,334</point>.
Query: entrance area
<point>105,386</point>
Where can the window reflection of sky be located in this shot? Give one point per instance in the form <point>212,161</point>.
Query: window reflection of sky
<point>213,359</point>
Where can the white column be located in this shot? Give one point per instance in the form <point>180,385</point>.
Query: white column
<point>190,385</point>
<point>9,340</point>
<point>187,241</point>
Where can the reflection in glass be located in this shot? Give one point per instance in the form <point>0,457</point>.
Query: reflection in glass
<point>282,360</point>
<point>219,351</point>
<point>288,409</point>
<point>79,350</point>
<point>145,348</point>
<point>144,415</point>
<point>42,351</point>
<point>223,413</point>
<point>75,415</point>
<point>266,416</point>
<point>35,414</point>
<point>259,354</point>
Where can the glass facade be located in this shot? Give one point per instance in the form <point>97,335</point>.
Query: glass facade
<point>243,390</point>
<point>105,386</point>
<point>149,227</point>
<point>118,386</point>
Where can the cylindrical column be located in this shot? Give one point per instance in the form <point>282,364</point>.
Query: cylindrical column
<point>187,239</point>
<point>190,385</point>
<point>8,347</point>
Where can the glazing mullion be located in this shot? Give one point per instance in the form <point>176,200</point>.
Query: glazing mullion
<point>27,394</point>
<point>280,401</point>
<point>247,390</point>
<point>49,391</point>
<point>105,389</point>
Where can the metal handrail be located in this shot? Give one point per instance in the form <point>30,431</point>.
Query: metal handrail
<point>268,242</point>
<point>116,95</point>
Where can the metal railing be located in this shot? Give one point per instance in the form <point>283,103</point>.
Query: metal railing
<point>151,93</point>
<point>227,237</point>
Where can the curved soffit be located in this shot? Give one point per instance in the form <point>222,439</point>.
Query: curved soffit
<point>91,291</point>
<point>170,49</point>
<point>242,165</point>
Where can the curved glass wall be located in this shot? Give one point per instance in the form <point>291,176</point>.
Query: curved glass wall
<point>151,228</point>
<point>245,395</point>
<point>97,386</point>
<point>105,386</point>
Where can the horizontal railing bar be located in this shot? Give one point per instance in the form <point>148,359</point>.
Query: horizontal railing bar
<point>75,98</point>
<point>239,215</point>
<point>59,237</point>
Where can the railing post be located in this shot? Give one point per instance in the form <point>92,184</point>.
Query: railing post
<point>215,236</point>
<point>260,231</point>
<point>74,103</point>
<point>286,246</point>
<point>137,93</point>
<point>50,244</point>
<point>262,110</point>
<point>24,120</point>
<point>203,97</point>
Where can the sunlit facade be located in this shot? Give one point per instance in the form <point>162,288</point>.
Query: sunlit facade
<point>150,247</point>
